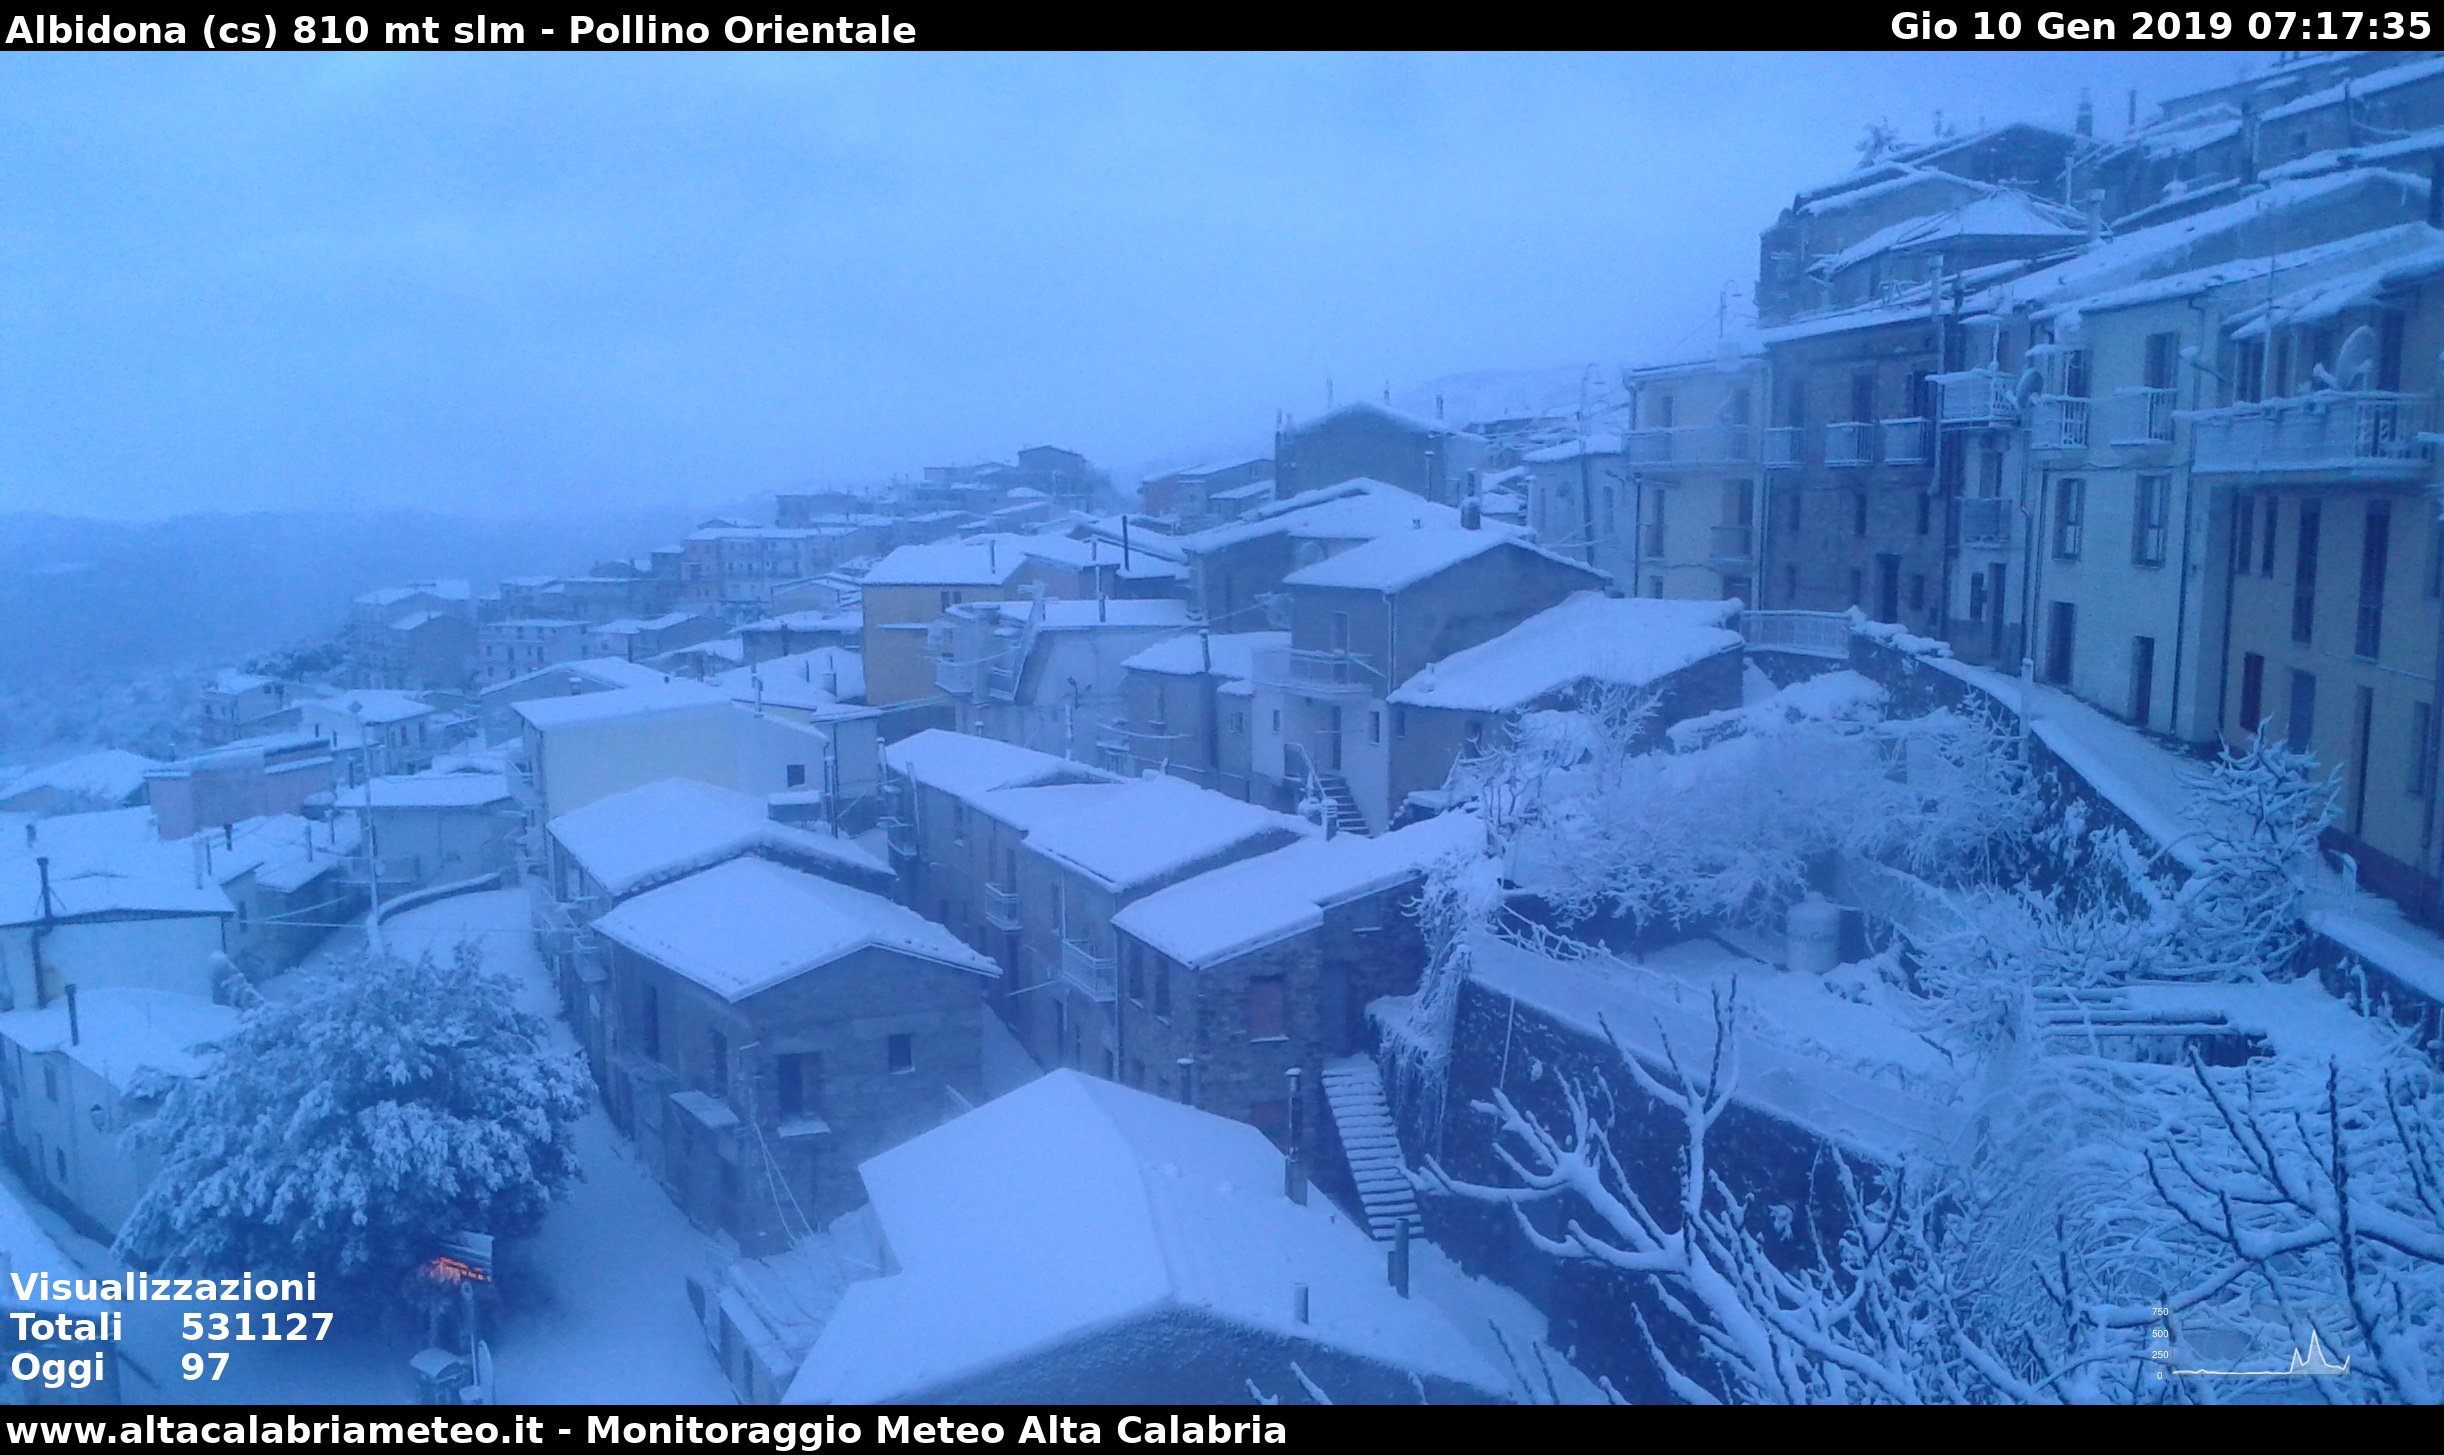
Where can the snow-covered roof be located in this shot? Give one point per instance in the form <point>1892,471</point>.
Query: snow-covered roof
<point>548,713</point>
<point>1617,640</point>
<point>1157,827</point>
<point>1368,408</point>
<point>967,766</point>
<point>1062,614</point>
<point>2418,256</point>
<point>674,826</point>
<point>230,681</point>
<point>111,775</point>
<point>1595,442</point>
<point>746,925</point>
<point>980,560</point>
<point>1231,654</point>
<point>1073,1206</point>
<point>849,621</point>
<point>370,704</point>
<point>628,626</point>
<point>2359,88</point>
<point>604,672</point>
<point>817,679</point>
<point>2403,240</point>
<point>2003,214</point>
<point>1402,559</point>
<point>427,790</point>
<point>1353,510</point>
<point>1256,902</point>
<point>121,1032</point>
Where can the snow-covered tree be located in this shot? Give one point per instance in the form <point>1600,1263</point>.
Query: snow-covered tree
<point>344,1131</point>
<point>2259,813</point>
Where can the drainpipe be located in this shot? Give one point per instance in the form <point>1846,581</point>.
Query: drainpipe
<point>43,926</point>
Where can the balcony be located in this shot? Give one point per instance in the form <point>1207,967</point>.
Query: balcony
<point>1317,673</point>
<point>2142,417</point>
<point>2058,423</point>
<point>1986,521</point>
<point>1693,445</point>
<point>1000,907</point>
<point>1850,444</point>
<point>1782,450</point>
<point>900,835</point>
<point>1097,975</point>
<point>2361,436</point>
<point>1735,542</point>
<point>1975,397</point>
<point>955,677</point>
<point>1905,441</point>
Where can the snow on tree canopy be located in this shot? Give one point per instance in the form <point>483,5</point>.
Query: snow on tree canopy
<point>1591,637</point>
<point>747,925</point>
<point>1073,1206</point>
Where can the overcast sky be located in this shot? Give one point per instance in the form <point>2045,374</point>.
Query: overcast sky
<point>493,283</point>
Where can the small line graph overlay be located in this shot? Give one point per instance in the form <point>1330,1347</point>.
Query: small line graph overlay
<point>2238,1353</point>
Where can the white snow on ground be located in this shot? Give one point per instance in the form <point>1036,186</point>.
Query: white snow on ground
<point>1504,1327</point>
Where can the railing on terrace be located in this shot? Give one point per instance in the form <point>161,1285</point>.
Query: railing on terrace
<point>1315,672</point>
<point>1782,448</point>
<point>1697,444</point>
<point>2058,423</point>
<point>2358,435</point>
<point>2142,417</point>
<point>1000,907</point>
<point>1850,443</point>
<point>1096,974</point>
<point>1905,441</point>
<point>1974,397</point>
<point>1814,633</point>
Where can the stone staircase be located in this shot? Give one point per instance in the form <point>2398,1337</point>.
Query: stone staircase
<point>1346,817</point>
<point>1353,1088</point>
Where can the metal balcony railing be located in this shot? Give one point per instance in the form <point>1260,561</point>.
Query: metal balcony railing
<point>2356,436</point>
<point>1905,441</point>
<point>1782,449</point>
<point>1096,974</point>
<point>1700,444</point>
<point>1974,397</point>
<point>2142,417</point>
<point>1986,521</point>
<point>1850,443</point>
<point>1000,907</point>
<point>2058,422</point>
<point>1734,542</point>
<point>1316,673</point>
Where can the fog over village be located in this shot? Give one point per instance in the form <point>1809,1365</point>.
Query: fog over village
<point>1223,731</point>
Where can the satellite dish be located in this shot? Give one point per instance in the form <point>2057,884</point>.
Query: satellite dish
<point>2032,384</point>
<point>2355,365</point>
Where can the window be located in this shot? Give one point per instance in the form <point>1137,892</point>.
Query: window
<point>2304,576</point>
<point>1400,722</point>
<point>2150,520</point>
<point>1858,512</point>
<point>717,1063</point>
<point>2162,350</point>
<point>2265,547</point>
<point>2070,512</point>
<point>1858,587</point>
<point>649,1020</point>
<point>1977,597</point>
<point>1268,1008</point>
<point>1795,511</point>
<point>1374,725</point>
<point>1926,513</point>
<point>2303,729</point>
<point>1917,592</point>
<point>1162,990</point>
<point>1135,954</point>
<point>2248,371</point>
<point>1277,720</point>
<point>2422,750</point>
<point>794,775</point>
<point>2252,692</point>
<point>1862,395</point>
<point>797,1083</point>
<point>2244,536</point>
<point>50,1081</point>
<point>899,1053</point>
<point>2375,545</point>
<point>2061,636</point>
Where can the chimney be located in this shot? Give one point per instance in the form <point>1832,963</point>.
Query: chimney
<point>1298,1302</point>
<point>42,868</point>
<point>1103,607</point>
<point>2131,123</point>
<point>76,1035</point>
<point>1472,511</point>
<point>2085,126</point>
